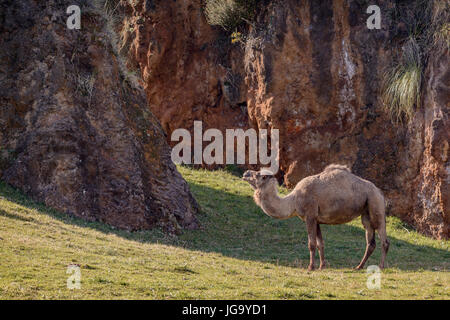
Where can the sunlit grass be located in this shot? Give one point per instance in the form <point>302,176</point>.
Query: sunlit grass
<point>239,253</point>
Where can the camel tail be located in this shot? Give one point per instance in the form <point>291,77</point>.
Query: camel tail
<point>377,208</point>
<point>382,198</point>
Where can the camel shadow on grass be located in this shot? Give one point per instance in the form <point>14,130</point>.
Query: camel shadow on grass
<point>232,225</point>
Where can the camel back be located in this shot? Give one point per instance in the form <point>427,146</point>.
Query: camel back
<point>337,166</point>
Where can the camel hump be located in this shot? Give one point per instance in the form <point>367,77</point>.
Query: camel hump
<point>337,167</point>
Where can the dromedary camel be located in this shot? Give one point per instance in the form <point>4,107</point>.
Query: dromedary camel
<point>334,196</point>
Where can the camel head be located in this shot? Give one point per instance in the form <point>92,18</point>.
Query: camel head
<point>260,179</point>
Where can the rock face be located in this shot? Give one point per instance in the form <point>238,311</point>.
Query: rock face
<point>76,132</point>
<point>190,71</point>
<point>311,69</point>
<point>431,206</point>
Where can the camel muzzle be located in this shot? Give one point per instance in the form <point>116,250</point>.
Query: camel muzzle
<point>247,174</point>
<point>249,177</point>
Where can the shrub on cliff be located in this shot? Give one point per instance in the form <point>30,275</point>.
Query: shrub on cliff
<point>401,85</point>
<point>229,14</point>
<point>427,26</point>
<point>441,25</point>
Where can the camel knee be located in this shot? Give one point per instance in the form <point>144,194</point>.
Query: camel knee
<point>372,244</point>
<point>385,245</point>
<point>312,246</point>
<point>319,243</point>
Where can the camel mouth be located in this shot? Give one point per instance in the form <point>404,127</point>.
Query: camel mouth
<point>248,179</point>
<point>251,182</point>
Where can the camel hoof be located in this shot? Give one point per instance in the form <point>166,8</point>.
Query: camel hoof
<point>311,268</point>
<point>322,267</point>
<point>359,267</point>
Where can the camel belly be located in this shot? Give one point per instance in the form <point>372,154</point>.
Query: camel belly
<point>337,217</point>
<point>339,211</point>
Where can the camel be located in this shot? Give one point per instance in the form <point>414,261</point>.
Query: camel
<point>334,196</point>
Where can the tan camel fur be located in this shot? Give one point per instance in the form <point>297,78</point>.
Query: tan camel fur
<point>334,196</point>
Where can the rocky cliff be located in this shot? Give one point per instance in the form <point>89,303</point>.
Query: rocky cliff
<point>75,129</point>
<point>313,70</point>
<point>190,71</point>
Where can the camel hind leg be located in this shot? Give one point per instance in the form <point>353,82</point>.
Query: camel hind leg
<point>384,243</point>
<point>377,213</point>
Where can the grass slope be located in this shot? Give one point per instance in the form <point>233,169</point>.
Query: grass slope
<point>238,253</point>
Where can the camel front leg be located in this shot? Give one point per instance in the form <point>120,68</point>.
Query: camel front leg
<point>370,240</point>
<point>311,227</point>
<point>320,246</point>
<point>370,247</point>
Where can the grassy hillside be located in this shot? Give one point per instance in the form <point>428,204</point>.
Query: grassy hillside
<point>238,253</point>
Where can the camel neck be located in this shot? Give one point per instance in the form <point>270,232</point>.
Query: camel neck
<point>275,206</point>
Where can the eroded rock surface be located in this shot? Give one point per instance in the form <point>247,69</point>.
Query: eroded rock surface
<point>190,70</point>
<point>76,132</point>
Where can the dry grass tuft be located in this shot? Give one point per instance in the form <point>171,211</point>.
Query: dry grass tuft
<point>441,25</point>
<point>229,14</point>
<point>401,86</point>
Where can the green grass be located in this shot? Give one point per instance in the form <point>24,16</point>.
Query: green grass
<point>238,253</point>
